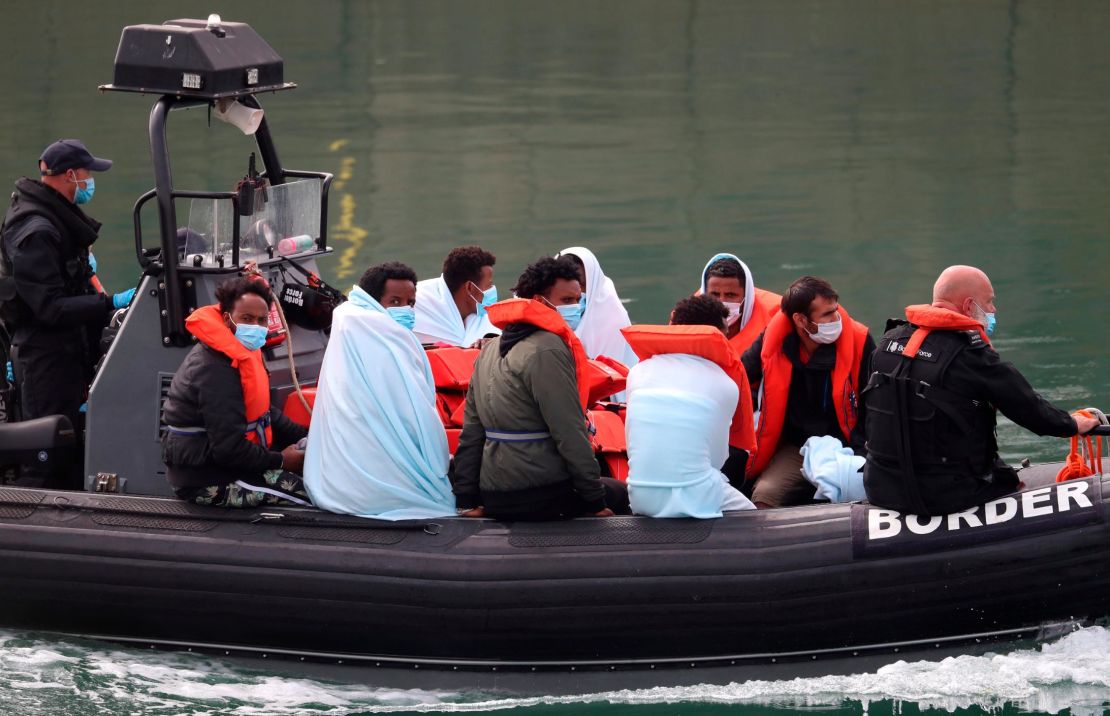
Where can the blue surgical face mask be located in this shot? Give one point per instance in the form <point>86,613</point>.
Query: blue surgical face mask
<point>84,194</point>
<point>252,337</point>
<point>405,315</point>
<point>988,317</point>
<point>582,301</point>
<point>572,314</point>
<point>489,297</point>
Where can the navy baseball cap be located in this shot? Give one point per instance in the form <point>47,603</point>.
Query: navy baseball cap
<point>66,154</point>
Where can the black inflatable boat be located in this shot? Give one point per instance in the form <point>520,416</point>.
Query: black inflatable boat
<point>590,603</point>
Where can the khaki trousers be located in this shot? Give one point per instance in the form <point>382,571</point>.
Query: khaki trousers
<point>781,483</point>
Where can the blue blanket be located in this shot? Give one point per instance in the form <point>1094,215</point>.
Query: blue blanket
<point>833,469</point>
<point>376,447</point>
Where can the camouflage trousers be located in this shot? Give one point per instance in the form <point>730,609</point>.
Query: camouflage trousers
<point>276,487</point>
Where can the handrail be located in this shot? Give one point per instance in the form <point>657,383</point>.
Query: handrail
<point>136,214</point>
<point>140,251</point>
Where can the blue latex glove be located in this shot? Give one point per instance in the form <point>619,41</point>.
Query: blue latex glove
<point>92,261</point>
<point>11,373</point>
<point>84,408</point>
<point>121,299</point>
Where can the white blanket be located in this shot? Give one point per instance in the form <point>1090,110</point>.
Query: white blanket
<point>376,447</point>
<point>679,412</point>
<point>834,470</point>
<point>438,319</point>
<point>605,315</point>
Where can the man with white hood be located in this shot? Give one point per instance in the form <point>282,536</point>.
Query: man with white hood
<point>728,279</point>
<point>602,315</point>
<point>376,446</point>
<point>451,308</point>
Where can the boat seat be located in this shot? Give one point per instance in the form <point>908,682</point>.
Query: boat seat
<point>53,431</point>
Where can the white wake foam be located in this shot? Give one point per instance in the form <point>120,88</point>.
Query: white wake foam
<point>46,676</point>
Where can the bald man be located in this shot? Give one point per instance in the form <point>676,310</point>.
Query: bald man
<point>938,382</point>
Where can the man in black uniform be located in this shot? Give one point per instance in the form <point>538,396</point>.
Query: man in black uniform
<point>936,384</point>
<point>50,309</point>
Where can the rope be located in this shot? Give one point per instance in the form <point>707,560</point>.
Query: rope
<point>1085,457</point>
<point>289,355</point>
<point>251,268</point>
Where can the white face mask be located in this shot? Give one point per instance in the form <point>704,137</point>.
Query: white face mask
<point>827,332</point>
<point>734,310</point>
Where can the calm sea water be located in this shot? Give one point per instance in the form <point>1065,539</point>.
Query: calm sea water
<point>872,143</point>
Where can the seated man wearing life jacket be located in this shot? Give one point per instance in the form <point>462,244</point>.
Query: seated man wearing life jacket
<point>524,452</point>
<point>602,315</point>
<point>686,398</point>
<point>727,279</point>
<point>377,447</point>
<point>808,368</point>
<point>932,398</point>
<point>224,444</point>
<point>451,308</point>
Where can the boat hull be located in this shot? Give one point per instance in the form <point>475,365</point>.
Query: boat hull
<point>772,592</point>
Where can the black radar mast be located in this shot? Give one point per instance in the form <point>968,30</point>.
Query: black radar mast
<point>193,63</point>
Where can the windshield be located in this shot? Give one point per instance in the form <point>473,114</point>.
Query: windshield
<point>287,211</point>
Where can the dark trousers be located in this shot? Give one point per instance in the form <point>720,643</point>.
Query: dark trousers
<point>569,505</point>
<point>52,381</point>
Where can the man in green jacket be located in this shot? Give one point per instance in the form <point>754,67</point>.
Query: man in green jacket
<point>524,452</point>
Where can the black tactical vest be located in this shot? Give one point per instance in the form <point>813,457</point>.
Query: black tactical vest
<point>914,418</point>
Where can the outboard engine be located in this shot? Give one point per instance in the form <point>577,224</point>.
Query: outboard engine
<point>221,67</point>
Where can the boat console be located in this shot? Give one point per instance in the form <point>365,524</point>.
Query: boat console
<point>274,217</point>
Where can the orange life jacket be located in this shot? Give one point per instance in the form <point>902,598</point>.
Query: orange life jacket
<point>452,367</point>
<point>778,370</point>
<point>708,343</point>
<point>605,376</point>
<point>766,305</point>
<point>296,410</point>
<point>535,313</point>
<point>933,318</point>
<point>207,324</point>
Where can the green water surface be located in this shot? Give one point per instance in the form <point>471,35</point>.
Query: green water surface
<point>871,143</point>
